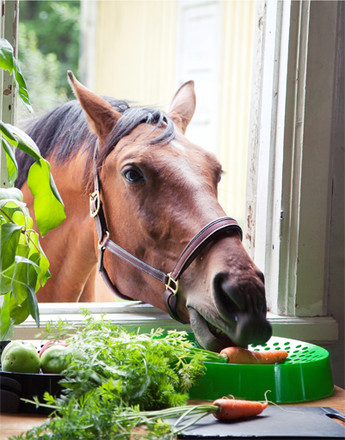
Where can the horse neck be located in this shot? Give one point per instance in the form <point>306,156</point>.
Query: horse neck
<point>70,248</point>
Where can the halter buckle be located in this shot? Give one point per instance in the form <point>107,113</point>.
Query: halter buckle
<point>94,203</point>
<point>172,285</point>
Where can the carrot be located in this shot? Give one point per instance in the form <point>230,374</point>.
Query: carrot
<point>229,409</point>
<point>238,355</point>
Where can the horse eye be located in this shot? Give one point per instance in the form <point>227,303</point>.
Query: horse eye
<point>133,175</point>
<point>222,172</point>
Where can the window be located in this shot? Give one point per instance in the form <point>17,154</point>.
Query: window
<point>291,147</point>
<point>8,29</point>
<point>289,143</point>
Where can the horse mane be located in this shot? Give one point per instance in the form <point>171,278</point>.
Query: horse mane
<point>64,131</point>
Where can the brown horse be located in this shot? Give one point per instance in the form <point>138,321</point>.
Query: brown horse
<point>156,191</point>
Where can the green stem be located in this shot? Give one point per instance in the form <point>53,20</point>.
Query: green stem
<point>211,356</point>
<point>7,216</point>
<point>39,404</point>
<point>30,239</point>
<point>192,422</point>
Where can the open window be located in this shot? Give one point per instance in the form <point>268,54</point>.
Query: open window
<point>293,197</point>
<point>293,140</point>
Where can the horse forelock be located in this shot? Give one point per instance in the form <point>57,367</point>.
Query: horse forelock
<point>64,132</point>
<point>132,118</point>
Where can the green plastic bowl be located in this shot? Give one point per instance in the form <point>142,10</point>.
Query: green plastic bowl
<point>304,376</point>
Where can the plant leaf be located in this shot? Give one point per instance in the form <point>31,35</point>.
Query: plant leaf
<point>10,199</point>
<point>11,193</point>
<point>6,55</point>
<point>44,274</point>
<point>8,62</point>
<point>19,139</point>
<point>18,312</point>
<point>6,277</point>
<point>24,278</point>
<point>9,238</point>
<point>33,306</point>
<point>6,324</point>
<point>12,167</point>
<point>49,209</point>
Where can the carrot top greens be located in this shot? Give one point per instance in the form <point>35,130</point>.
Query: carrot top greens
<point>113,373</point>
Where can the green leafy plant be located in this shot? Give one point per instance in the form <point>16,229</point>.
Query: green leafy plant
<point>23,264</point>
<point>118,381</point>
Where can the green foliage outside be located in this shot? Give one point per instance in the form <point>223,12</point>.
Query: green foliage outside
<point>23,264</point>
<point>48,47</point>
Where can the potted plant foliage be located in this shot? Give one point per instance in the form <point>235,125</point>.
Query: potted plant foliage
<point>23,264</point>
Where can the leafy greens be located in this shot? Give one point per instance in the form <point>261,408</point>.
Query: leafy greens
<point>113,376</point>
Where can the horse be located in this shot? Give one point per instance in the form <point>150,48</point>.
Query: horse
<point>141,203</point>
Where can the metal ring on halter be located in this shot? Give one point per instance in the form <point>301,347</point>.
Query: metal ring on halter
<point>172,285</point>
<point>95,203</point>
<point>101,242</point>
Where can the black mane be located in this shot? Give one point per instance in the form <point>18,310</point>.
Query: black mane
<point>64,130</point>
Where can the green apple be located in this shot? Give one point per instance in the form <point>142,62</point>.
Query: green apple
<point>20,357</point>
<point>54,359</point>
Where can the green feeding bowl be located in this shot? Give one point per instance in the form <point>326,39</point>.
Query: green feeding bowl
<point>305,375</point>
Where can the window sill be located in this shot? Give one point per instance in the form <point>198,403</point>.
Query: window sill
<point>322,330</point>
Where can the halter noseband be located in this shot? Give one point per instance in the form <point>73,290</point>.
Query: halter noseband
<point>170,280</point>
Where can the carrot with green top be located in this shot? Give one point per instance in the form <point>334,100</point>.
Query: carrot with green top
<point>223,409</point>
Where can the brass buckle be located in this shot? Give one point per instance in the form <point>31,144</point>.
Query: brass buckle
<point>172,285</point>
<point>94,198</point>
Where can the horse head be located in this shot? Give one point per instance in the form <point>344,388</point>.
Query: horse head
<point>158,190</point>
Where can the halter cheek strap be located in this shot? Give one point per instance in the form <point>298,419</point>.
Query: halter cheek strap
<point>170,280</point>
<point>190,252</point>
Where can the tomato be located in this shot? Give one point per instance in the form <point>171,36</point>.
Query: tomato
<point>54,359</point>
<point>20,357</point>
<point>51,343</point>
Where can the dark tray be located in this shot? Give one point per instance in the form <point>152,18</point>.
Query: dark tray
<point>15,386</point>
<point>288,422</point>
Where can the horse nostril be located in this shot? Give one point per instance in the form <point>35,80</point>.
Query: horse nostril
<point>261,276</point>
<point>242,306</point>
<point>228,299</point>
<point>233,299</point>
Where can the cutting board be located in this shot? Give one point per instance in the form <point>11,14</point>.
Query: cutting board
<point>274,423</point>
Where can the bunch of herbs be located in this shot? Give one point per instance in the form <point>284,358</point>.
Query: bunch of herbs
<point>115,377</point>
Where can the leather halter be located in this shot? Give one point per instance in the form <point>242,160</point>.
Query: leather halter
<point>170,280</point>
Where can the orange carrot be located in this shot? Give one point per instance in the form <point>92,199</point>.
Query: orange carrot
<point>238,355</point>
<point>229,409</point>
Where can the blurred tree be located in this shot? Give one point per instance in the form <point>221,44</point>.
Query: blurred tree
<point>48,47</point>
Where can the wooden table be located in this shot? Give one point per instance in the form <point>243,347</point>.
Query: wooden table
<point>15,424</point>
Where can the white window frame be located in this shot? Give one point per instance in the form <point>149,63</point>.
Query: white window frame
<point>203,129</point>
<point>134,316</point>
<point>277,232</point>
<point>289,158</point>
<point>8,30</point>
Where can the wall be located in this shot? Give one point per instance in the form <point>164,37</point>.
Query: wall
<point>135,50</point>
<point>236,70</point>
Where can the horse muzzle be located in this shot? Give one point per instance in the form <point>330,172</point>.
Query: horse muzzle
<point>237,317</point>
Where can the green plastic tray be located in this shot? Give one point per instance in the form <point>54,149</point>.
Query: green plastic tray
<point>304,376</point>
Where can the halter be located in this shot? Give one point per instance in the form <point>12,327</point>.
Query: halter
<point>170,280</point>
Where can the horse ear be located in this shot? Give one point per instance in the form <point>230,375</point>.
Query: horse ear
<point>183,105</point>
<point>100,114</point>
